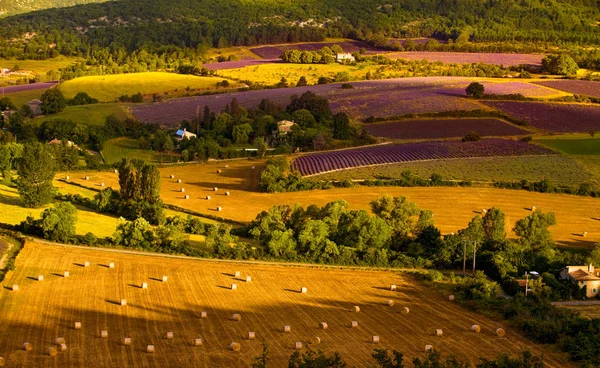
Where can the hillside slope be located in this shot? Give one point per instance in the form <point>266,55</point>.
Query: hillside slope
<point>151,24</point>
<point>13,7</point>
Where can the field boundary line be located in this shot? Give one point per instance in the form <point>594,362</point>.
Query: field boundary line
<point>200,259</point>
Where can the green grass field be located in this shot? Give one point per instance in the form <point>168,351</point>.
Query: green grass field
<point>115,149</point>
<point>90,114</point>
<point>558,169</point>
<point>21,98</point>
<point>110,87</point>
<point>38,66</point>
<point>573,144</point>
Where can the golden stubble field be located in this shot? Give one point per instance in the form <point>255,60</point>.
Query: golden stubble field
<point>41,311</point>
<point>453,207</point>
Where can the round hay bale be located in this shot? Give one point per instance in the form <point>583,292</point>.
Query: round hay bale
<point>219,209</point>
<point>86,264</point>
<point>405,310</point>
<point>62,347</point>
<point>169,336</point>
<point>27,346</point>
<point>298,345</point>
<point>375,339</point>
<point>323,325</point>
<point>303,290</point>
<point>87,178</point>
<point>428,347</point>
<point>203,315</point>
<point>215,189</point>
<point>150,349</point>
<point>208,198</point>
<point>15,287</point>
<point>533,208</point>
<point>439,332</point>
<point>248,279</point>
<point>233,286</point>
<point>237,274</point>
<point>186,197</point>
<point>102,184</point>
<point>144,285</point>
<point>172,176</point>
<point>67,177</point>
<point>115,171</point>
<point>253,167</point>
<point>178,180</point>
<point>356,309</point>
<point>182,190</point>
<point>127,341</point>
<point>451,298</point>
<point>389,303</point>
<point>251,335</point>
<point>235,346</point>
<point>476,328</point>
<point>227,193</point>
<point>287,329</point>
<point>236,317</point>
<point>123,302</point>
<point>484,211</point>
<point>164,279</point>
<point>59,340</point>
<point>111,265</point>
<point>66,274</point>
<point>227,166</point>
<point>40,277</point>
<point>104,334</point>
<point>198,342</point>
<point>218,171</point>
<point>315,340</point>
<point>52,351</point>
<point>78,325</point>
<point>500,332</point>
<point>393,287</point>
<point>354,324</point>
<point>584,234</point>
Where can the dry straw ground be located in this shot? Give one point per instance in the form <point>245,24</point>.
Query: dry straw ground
<point>453,207</point>
<point>41,311</point>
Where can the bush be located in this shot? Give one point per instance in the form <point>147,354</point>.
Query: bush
<point>471,137</point>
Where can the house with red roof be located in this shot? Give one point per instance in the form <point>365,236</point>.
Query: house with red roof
<point>586,276</point>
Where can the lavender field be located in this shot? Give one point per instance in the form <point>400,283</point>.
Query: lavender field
<point>579,87</point>
<point>318,163</point>
<point>28,87</point>
<point>273,52</point>
<point>470,57</point>
<point>552,117</point>
<point>443,128</point>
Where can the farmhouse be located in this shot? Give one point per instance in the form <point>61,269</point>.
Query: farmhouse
<point>586,276</point>
<point>4,71</point>
<point>68,143</point>
<point>340,58</point>
<point>284,127</point>
<point>183,133</point>
<point>36,107</point>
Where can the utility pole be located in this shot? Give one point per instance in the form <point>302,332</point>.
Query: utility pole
<point>526,282</point>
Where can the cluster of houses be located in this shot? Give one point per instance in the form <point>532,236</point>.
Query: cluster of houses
<point>283,128</point>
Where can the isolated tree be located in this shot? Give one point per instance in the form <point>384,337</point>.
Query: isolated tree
<point>58,222</point>
<point>341,126</point>
<point>53,101</point>
<point>36,172</point>
<point>302,82</point>
<point>475,89</point>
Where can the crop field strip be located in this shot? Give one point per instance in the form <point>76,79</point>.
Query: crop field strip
<point>552,117</point>
<point>579,87</point>
<point>266,304</point>
<point>317,163</point>
<point>369,97</point>
<point>505,59</point>
<point>443,128</point>
<point>453,207</point>
<point>350,46</point>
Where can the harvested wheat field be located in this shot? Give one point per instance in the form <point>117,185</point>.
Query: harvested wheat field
<point>41,311</point>
<point>453,207</point>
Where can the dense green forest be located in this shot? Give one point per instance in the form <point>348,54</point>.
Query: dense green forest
<point>152,25</point>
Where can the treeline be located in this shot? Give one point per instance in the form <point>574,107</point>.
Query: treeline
<point>134,25</point>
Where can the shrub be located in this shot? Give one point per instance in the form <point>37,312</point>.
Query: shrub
<point>475,90</point>
<point>471,137</point>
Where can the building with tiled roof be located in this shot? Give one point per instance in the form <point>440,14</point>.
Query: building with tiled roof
<point>586,276</point>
